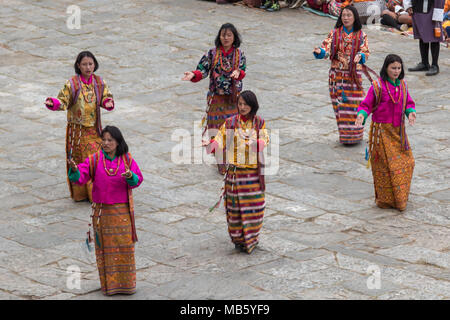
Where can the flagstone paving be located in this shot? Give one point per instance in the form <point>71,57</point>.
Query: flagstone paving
<point>322,238</point>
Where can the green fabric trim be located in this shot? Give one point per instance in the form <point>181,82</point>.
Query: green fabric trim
<point>108,157</point>
<point>408,111</point>
<point>74,176</point>
<point>396,84</point>
<point>364,114</point>
<point>133,181</point>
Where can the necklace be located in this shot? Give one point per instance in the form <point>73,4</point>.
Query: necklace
<point>244,135</point>
<point>87,94</point>
<point>390,95</point>
<point>111,172</point>
<point>226,69</point>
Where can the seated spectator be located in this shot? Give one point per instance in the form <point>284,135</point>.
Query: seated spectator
<point>396,16</point>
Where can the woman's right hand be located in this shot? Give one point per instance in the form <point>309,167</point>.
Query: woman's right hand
<point>72,165</point>
<point>317,50</point>
<point>49,103</point>
<point>359,120</point>
<point>188,76</point>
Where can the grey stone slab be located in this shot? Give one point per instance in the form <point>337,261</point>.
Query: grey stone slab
<point>320,206</point>
<point>201,287</point>
<point>416,254</point>
<point>374,259</point>
<point>329,293</point>
<point>315,199</point>
<point>412,280</point>
<point>284,287</point>
<point>314,240</point>
<point>360,285</point>
<point>23,287</point>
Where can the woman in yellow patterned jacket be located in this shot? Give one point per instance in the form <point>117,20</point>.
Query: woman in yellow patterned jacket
<point>243,137</point>
<point>82,96</point>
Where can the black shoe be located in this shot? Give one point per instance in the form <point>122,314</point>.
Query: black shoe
<point>420,67</point>
<point>434,70</point>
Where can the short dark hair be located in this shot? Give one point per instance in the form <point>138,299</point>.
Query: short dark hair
<point>122,147</point>
<point>356,25</point>
<point>391,58</point>
<point>80,57</point>
<point>232,28</point>
<point>251,100</point>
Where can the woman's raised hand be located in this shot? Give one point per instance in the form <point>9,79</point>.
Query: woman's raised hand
<point>412,118</point>
<point>188,76</point>
<point>109,104</point>
<point>359,120</point>
<point>317,50</point>
<point>127,174</point>
<point>72,165</point>
<point>235,74</point>
<point>49,103</point>
<point>357,58</point>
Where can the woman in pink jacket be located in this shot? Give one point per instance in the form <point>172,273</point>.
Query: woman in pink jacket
<point>389,151</point>
<point>114,174</point>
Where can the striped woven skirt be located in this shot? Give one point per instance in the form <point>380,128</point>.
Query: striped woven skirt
<point>392,167</point>
<point>114,248</point>
<point>81,142</point>
<point>220,108</point>
<point>345,98</point>
<point>244,204</point>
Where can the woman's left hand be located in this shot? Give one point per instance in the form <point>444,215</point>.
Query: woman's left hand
<point>127,174</point>
<point>235,74</point>
<point>412,118</point>
<point>109,104</point>
<point>357,58</point>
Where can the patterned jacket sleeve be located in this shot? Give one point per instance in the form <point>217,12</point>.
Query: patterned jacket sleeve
<point>326,44</point>
<point>219,138</point>
<point>107,96</point>
<point>263,134</point>
<point>243,62</point>
<point>204,64</point>
<point>242,66</point>
<point>364,48</point>
<point>64,99</point>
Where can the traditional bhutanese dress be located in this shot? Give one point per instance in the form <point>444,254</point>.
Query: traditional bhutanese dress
<point>244,183</point>
<point>82,99</point>
<point>223,90</point>
<point>345,79</point>
<point>112,218</point>
<point>389,151</point>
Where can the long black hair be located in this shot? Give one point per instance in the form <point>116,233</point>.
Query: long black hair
<point>391,58</point>
<point>122,147</point>
<point>251,100</point>
<point>356,25</point>
<point>232,28</point>
<point>80,57</point>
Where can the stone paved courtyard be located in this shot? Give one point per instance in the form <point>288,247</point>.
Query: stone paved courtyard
<point>322,234</point>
